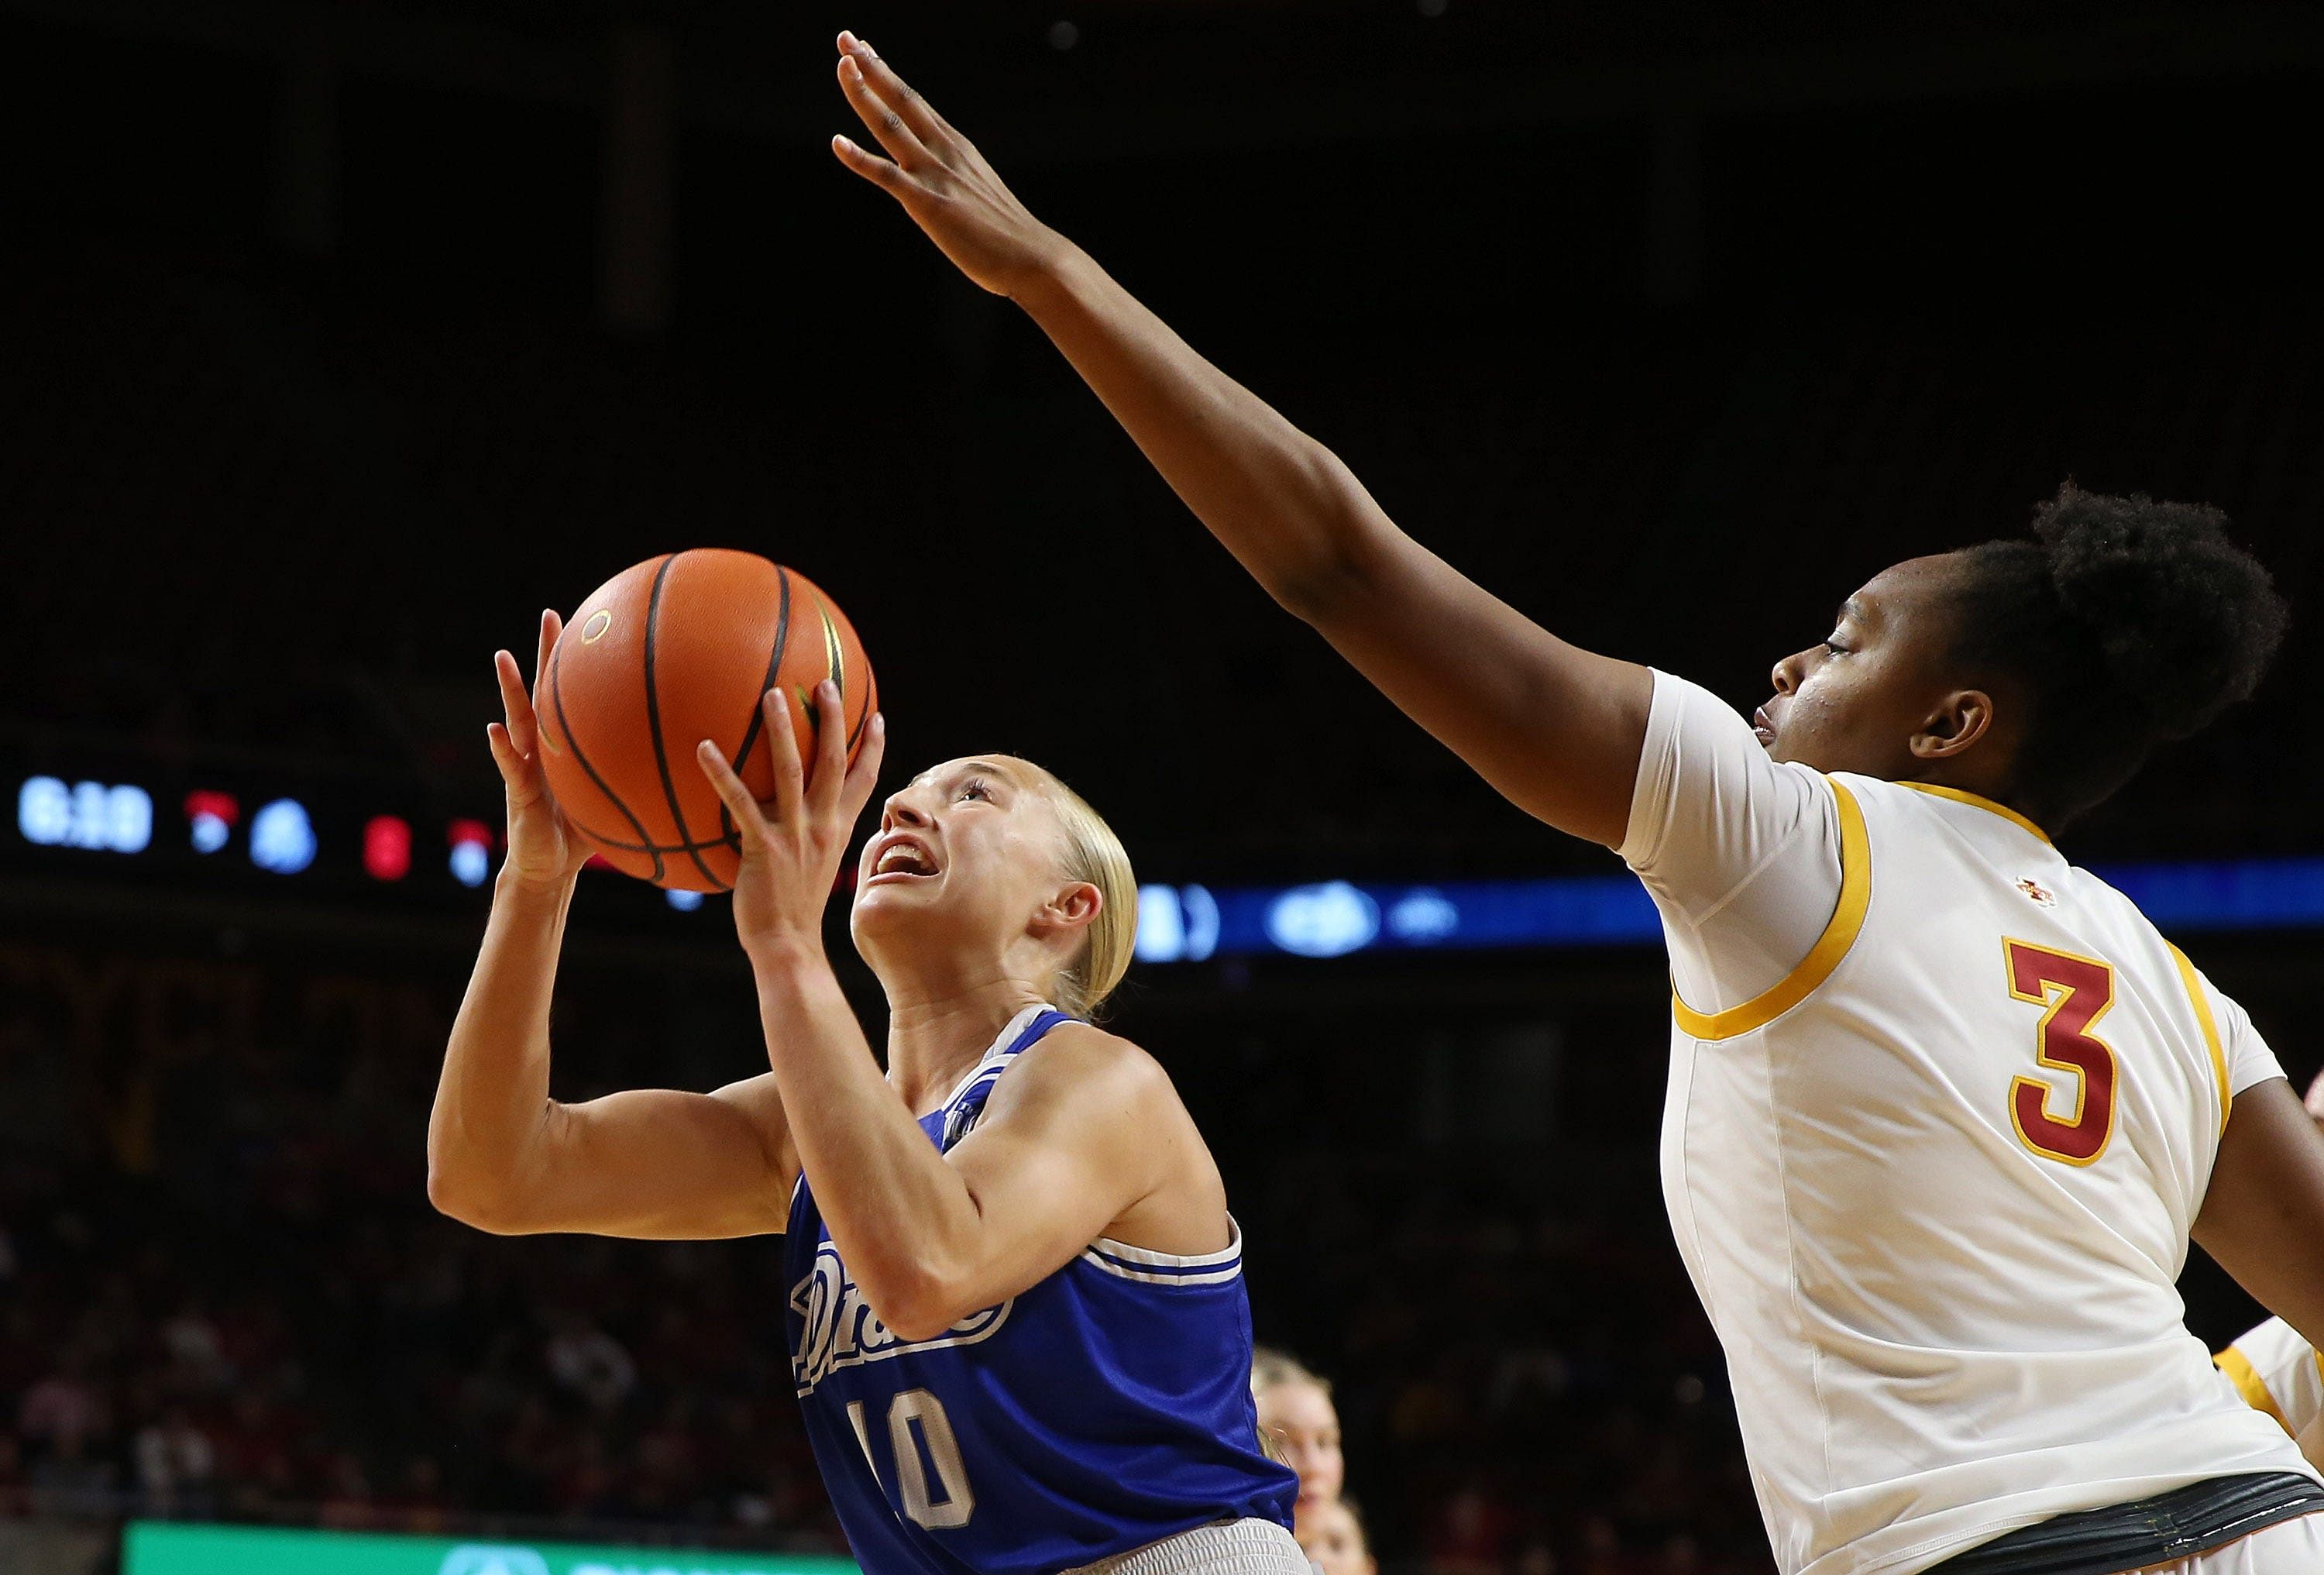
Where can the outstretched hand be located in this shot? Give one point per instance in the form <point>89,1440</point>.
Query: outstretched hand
<point>940,177</point>
<point>542,850</point>
<point>792,845</point>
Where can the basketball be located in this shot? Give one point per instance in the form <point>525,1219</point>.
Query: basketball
<point>671,651</point>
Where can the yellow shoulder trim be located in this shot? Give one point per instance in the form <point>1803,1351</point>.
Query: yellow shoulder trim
<point>2246,1379</point>
<point>2210,1030</point>
<point>1838,936</point>
<point>1960,796</point>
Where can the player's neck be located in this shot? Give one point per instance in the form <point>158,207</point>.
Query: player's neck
<point>935,1037</point>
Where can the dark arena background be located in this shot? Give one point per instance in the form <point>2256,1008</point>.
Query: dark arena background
<point>338,339</point>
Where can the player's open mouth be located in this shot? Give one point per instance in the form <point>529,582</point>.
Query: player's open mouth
<point>902,858</point>
<point>1760,725</point>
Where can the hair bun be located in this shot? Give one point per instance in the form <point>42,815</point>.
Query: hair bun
<point>2184,620</point>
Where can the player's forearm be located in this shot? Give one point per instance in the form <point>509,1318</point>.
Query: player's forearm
<point>1282,502</point>
<point>898,1212</point>
<point>491,1100</point>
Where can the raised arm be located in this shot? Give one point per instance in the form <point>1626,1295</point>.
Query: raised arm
<point>1555,729</point>
<point>504,1156</point>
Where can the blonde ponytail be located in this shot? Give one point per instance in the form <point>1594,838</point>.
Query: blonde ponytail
<point>1095,854</point>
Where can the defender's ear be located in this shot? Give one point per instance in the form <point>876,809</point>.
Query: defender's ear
<point>1957,722</point>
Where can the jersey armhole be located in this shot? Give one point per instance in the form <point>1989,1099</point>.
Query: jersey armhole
<point>1148,1267</point>
<point>2211,1041</point>
<point>1829,949</point>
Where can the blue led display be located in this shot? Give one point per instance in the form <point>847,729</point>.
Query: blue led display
<point>1335,918</point>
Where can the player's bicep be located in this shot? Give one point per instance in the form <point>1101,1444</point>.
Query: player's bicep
<point>1554,728</point>
<point>662,1163</point>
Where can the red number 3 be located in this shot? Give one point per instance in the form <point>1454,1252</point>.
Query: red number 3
<point>2076,992</point>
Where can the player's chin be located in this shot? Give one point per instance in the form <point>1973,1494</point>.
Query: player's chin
<point>898,893</point>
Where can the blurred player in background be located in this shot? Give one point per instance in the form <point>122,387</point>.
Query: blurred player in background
<point>1943,1111</point>
<point>1017,1324</point>
<point>1297,1414</point>
<point>1331,1533</point>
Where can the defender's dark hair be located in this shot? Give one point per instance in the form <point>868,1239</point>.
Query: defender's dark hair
<point>2130,622</point>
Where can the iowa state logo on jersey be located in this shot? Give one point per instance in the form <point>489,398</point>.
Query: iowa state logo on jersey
<point>838,1329</point>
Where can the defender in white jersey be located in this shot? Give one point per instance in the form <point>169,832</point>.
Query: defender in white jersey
<point>1934,1184</point>
<point>1945,1111</point>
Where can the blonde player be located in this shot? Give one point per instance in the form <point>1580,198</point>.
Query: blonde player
<point>1297,1414</point>
<point>1017,1321</point>
<point>1943,1111</point>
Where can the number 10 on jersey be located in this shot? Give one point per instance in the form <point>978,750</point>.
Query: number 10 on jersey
<point>917,1410</point>
<point>2074,993</point>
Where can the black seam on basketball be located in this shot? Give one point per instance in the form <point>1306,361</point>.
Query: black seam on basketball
<point>573,742</point>
<point>653,726</point>
<point>732,843</point>
<point>759,701</point>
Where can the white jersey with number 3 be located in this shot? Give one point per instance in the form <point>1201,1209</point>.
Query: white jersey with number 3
<point>1933,1183</point>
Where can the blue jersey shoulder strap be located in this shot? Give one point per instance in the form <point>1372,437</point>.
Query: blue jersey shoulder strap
<point>962,1112</point>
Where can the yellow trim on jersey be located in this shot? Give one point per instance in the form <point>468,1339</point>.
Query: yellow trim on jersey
<point>1838,936</point>
<point>2249,1383</point>
<point>1960,796</point>
<point>2210,1031</point>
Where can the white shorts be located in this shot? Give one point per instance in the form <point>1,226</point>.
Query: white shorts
<point>2290,1547</point>
<point>1261,1547</point>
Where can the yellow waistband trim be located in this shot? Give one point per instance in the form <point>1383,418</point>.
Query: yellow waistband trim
<point>1960,796</point>
<point>2249,1385</point>
<point>1838,936</point>
<point>2210,1027</point>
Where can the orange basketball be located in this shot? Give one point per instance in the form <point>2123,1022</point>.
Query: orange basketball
<point>665,654</point>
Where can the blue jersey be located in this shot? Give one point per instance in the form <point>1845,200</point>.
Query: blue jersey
<point>1107,1407</point>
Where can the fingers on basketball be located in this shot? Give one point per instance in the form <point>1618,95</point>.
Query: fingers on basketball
<point>864,776</point>
<point>681,647</point>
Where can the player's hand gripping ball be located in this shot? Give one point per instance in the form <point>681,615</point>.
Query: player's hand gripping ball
<point>665,654</point>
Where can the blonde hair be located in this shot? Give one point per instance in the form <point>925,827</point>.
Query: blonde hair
<point>1270,1368</point>
<point>1095,854</point>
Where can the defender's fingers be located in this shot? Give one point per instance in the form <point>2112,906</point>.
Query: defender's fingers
<point>750,824</point>
<point>878,116</point>
<point>899,94</point>
<point>523,730</point>
<point>782,748</point>
<point>864,776</point>
<point>830,750</point>
<point>871,167</point>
